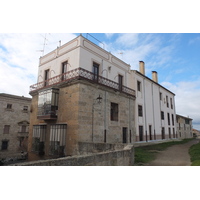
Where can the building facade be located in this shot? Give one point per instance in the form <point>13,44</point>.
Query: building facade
<point>184,127</point>
<point>155,107</point>
<point>83,94</point>
<point>14,124</point>
<point>86,94</point>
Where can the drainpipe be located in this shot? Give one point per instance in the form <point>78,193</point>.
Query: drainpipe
<point>130,119</point>
<point>105,103</point>
<point>145,111</point>
<point>153,112</point>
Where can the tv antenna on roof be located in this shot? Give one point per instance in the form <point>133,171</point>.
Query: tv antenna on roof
<point>121,54</point>
<point>95,39</point>
<point>44,44</point>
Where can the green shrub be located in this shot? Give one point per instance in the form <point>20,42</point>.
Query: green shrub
<point>146,154</point>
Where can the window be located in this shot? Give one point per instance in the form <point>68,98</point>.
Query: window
<point>25,108</point>
<point>187,121</point>
<point>38,142</point>
<point>9,106</point>
<point>124,136</point>
<point>171,103</point>
<point>160,96</point>
<point>46,77</point>
<point>64,70</point>
<point>150,132</point>
<point>114,112</point>
<point>162,115</point>
<point>169,132</point>
<point>167,101</point>
<point>139,86</point>
<point>172,119</point>
<point>120,81</point>
<point>174,133</point>
<point>168,117</point>
<point>140,133</point>
<point>4,145</point>
<point>140,114</point>
<point>48,103</point>
<point>163,133</point>
<point>57,139</point>
<point>23,129</point>
<point>6,129</point>
<point>95,71</point>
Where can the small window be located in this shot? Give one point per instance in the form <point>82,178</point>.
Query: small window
<point>64,71</point>
<point>140,111</point>
<point>4,145</point>
<point>187,121</point>
<point>25,108</point>
<point>172,119</point>
<point>120,81</point>
<point>171,103</point>
<point>160,96</point>
<point>46,77</point>
<point>6,129</point>
<point>9,106</point>
<point>168,117</point>
<point>139,86</point>
<point>95,71</point>
<point>163,133</point>
<point>169,132</point>
<point>167,101</point>
<point>23,129</point>
<point>162,115</point>
<point>114,112</point>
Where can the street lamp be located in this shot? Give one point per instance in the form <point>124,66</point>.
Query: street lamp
<point>95,101</point>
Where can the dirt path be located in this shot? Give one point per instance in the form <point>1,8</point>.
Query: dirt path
<point>176,155</point>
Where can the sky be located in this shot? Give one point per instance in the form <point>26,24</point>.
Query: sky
<point>162,45</point>
<point>175,57</point>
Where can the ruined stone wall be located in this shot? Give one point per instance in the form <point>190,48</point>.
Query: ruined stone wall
<point>123,157</point>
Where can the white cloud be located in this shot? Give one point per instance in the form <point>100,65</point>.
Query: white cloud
<point>187,99</point>
<point>19,59</point>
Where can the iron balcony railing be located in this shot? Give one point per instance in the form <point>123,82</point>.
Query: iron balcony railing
<point>80,73</point>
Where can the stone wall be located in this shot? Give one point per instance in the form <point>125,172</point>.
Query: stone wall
<point>124,157</point>
<point>15,117</point>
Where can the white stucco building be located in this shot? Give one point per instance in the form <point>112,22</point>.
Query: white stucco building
<point>155,107</point>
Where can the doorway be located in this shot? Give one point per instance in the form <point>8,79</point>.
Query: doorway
<point>141,133</point>
<point>124,137</point>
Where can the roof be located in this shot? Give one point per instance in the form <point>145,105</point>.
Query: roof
<point>15,96</point>
<point>184,117</point>
<point>153,81</point>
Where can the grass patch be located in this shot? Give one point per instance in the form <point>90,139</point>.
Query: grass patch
<point>146,154</point>
<point>194,152</point>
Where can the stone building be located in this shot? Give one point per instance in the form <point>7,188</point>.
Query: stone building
<point>184,127</point>
<point>155,107</point>
<point>83,94</point>
<point>14,124</point>
<point>196,133</point>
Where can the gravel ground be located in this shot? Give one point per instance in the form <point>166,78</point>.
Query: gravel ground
<point>176,155</point>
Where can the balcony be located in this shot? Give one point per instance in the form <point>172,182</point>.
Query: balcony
<point>48,104</point>
<point>22,134</point>
<point>80,73</point>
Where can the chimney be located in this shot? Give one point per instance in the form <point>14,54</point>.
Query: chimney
<point>154,76</point>
<point>142,67</point>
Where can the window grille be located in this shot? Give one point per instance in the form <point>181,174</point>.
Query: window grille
<point>57,139</point>
<point>39,134</point>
